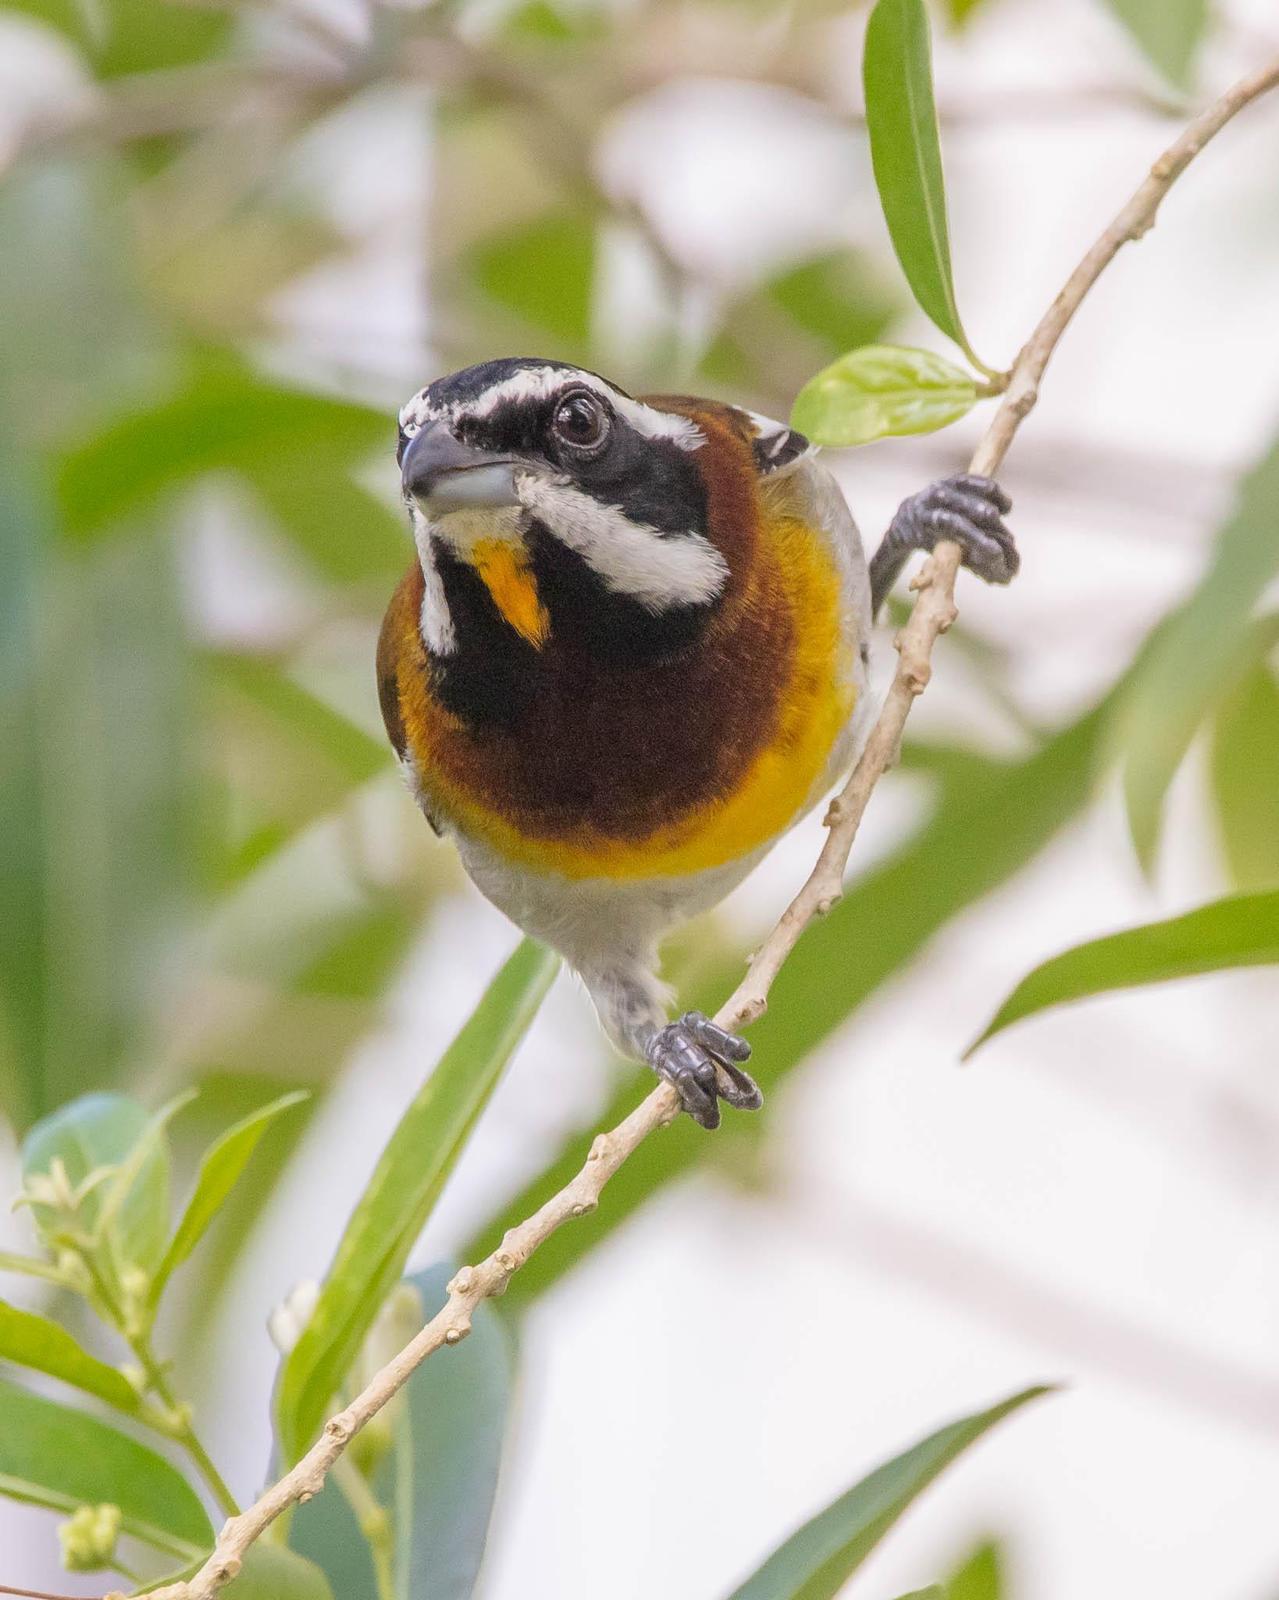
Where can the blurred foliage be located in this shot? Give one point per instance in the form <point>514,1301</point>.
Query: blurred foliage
<point>209,875</point>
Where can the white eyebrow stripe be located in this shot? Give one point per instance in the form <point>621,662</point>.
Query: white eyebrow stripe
<point>540,383</point>
<point>658,570</point>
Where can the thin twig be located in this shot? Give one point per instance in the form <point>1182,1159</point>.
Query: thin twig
<point>933,614</point>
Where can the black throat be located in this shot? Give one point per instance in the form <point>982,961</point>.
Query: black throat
<point>495,679</point>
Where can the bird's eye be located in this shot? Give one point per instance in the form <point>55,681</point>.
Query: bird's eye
<point>581,421</point>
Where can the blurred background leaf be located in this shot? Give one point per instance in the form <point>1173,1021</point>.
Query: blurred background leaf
<point>819,1558</point>
<point>1242,931</point>
<point>1169,33</point>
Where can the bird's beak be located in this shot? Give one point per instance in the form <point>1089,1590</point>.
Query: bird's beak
<point>443,474</point>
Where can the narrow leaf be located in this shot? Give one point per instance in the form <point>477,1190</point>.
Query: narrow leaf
<point>402,1191</point>
<point>1168,31</point>
<point>1242,931</point>
<point>31,1267</point>
<point>220,1170</point>
<point>934,1591</point>
<point>1245,779</point>
<point>53,1456</point>
<point>882,390</point>
<point>1197,656</point>
<point>901,120</point>
<point>819,1558</point>
<point>34,1341</point>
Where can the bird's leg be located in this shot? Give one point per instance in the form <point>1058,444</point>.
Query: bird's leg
<point>966,508</point>
<point>699,1059</point>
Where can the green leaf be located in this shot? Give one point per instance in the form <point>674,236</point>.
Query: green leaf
<point>271,1572</point>
<point>1242,931</point>
<point>104,1130</point>
<point>225,419</point>
<point>882,390</point>
<point>1245,779</point>
<point>53,1456</point>
<point>901,120</point>
<point>1168,31</point>
<point>220,1170</point>
<point>819,1558</point>
<point>455,1410</point>
<point>402,1191</point>
<point>545,273</point>
<point>979,1576</point>
<point>993,818</point>
<point>1197,656</point>
<point>30,1340</point>
<point>31,1267</point>
<point>934,1591</point>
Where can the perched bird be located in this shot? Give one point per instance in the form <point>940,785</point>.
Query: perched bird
<point>630,653</point>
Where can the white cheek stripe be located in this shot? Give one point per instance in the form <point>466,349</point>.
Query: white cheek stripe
<point>539,383</point>
<point>658,570</point>
<point>436,621</point>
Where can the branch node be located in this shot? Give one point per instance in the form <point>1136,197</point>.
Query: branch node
<point>462,1282</point>
<point>834,813</point>
<point>827,903</point>
<point>456,1335</point>
<point>583,1208</point>
<point>915,676</point>
<point>752,1010</point>
<point>599,1147</point>
<point>339,1428</point>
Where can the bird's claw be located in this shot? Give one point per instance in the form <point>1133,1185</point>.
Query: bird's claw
<point>969,510</point>
<point>700,1060</point>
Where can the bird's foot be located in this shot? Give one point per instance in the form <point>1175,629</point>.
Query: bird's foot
<point>700,1060</point>
<point>966,508</point>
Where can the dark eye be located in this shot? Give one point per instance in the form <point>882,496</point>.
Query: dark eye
<point>581,420</point>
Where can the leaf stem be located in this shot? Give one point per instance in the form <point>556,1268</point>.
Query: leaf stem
<point>374,1520</point>
<point>177,1423</point>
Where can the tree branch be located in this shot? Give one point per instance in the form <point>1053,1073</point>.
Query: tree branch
<point>933,613</point>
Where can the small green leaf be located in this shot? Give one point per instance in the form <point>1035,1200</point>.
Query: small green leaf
<point>402,1191</point>
<point>901,120</point>
<point>271,1572</point>
<point>1245,779</point>
<point>1197,656</point>
<point>979,1576</point>
<point>881,390</point>
<point>1168,31</point>
<point>1242,931</point>
<point>30,1340</point>
<point>819,1558</point>
<point>104,1130</point>
<point>53,1456</point>
<point>220,1170</point>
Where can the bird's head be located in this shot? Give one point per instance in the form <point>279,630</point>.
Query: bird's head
<point>612,508</point>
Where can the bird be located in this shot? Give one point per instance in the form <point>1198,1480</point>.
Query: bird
<point>630,652</point>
